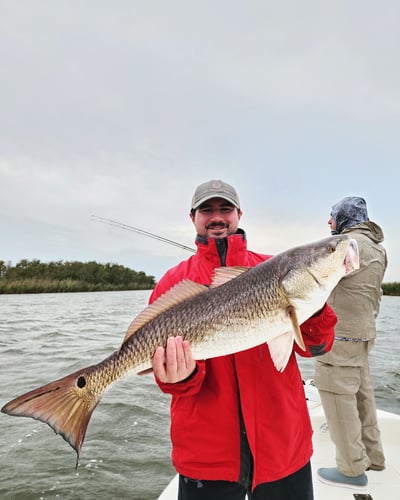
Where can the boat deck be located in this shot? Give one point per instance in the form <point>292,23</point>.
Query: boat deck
<point>384,485</point>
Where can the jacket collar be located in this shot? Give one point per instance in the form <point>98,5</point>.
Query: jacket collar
<point>228,251</point>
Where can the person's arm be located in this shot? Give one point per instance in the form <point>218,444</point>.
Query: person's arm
<point>318,333</point>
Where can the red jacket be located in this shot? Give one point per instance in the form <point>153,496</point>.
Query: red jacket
<point>208,438</point>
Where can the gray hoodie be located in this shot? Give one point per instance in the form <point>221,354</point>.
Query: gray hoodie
<point>356,298</point>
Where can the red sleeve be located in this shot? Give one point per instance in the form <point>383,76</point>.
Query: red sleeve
<point>318,333</point>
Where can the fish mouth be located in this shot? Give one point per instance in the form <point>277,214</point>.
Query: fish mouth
<point>352,259</point>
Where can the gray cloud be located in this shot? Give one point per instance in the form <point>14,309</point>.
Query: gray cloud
<point>121,108</point>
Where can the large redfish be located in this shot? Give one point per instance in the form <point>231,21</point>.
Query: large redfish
<point>242,308</point>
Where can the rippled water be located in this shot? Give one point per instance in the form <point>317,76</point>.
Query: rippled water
<point>126,453</point>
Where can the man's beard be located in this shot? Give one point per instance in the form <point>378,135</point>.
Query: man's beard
<point>217,225</point>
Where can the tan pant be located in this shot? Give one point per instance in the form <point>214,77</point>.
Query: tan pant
<point>348,399</point>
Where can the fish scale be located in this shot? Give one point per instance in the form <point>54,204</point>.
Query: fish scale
<point>242,308</point>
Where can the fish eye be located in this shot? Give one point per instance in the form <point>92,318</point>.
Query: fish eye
<point>81,382</point>
<point>331,249</point>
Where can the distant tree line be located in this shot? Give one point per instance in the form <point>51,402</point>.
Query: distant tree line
<point>33,276</point>
<point>391,288</point>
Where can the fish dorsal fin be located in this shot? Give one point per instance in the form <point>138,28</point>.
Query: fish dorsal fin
<point>179,293</point>
<point>224,274</point>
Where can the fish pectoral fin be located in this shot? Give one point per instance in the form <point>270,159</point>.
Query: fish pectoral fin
<point>280,349</point>
<point>298,337</point>
<point>147,371</point>
<point>224,274</point>
<point>64,405</point>
<point>182,291</point>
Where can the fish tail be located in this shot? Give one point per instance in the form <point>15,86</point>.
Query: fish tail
<point>66,405</point>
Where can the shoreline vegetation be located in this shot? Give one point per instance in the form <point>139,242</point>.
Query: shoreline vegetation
<point>33,276</point>
<point>392,288</point>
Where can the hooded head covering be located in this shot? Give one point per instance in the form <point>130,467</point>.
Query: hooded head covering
<point>349,212</point>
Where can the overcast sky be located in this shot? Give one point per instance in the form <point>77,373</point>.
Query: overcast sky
<point>120,108</point>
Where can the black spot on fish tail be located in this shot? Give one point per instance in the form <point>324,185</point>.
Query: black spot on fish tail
<point>81,382</point>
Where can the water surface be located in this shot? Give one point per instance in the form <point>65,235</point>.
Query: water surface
<point>126,454</point>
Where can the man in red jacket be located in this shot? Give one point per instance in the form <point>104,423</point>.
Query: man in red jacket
<point>238,426</point>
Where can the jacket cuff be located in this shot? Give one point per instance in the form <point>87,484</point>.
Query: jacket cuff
<point>187,387</point>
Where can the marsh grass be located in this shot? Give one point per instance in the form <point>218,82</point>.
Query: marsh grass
<point>34,285</point>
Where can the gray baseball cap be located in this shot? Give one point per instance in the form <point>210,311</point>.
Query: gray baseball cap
<point>215,189</point>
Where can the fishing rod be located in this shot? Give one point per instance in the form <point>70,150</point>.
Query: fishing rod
<point>141,231</point>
